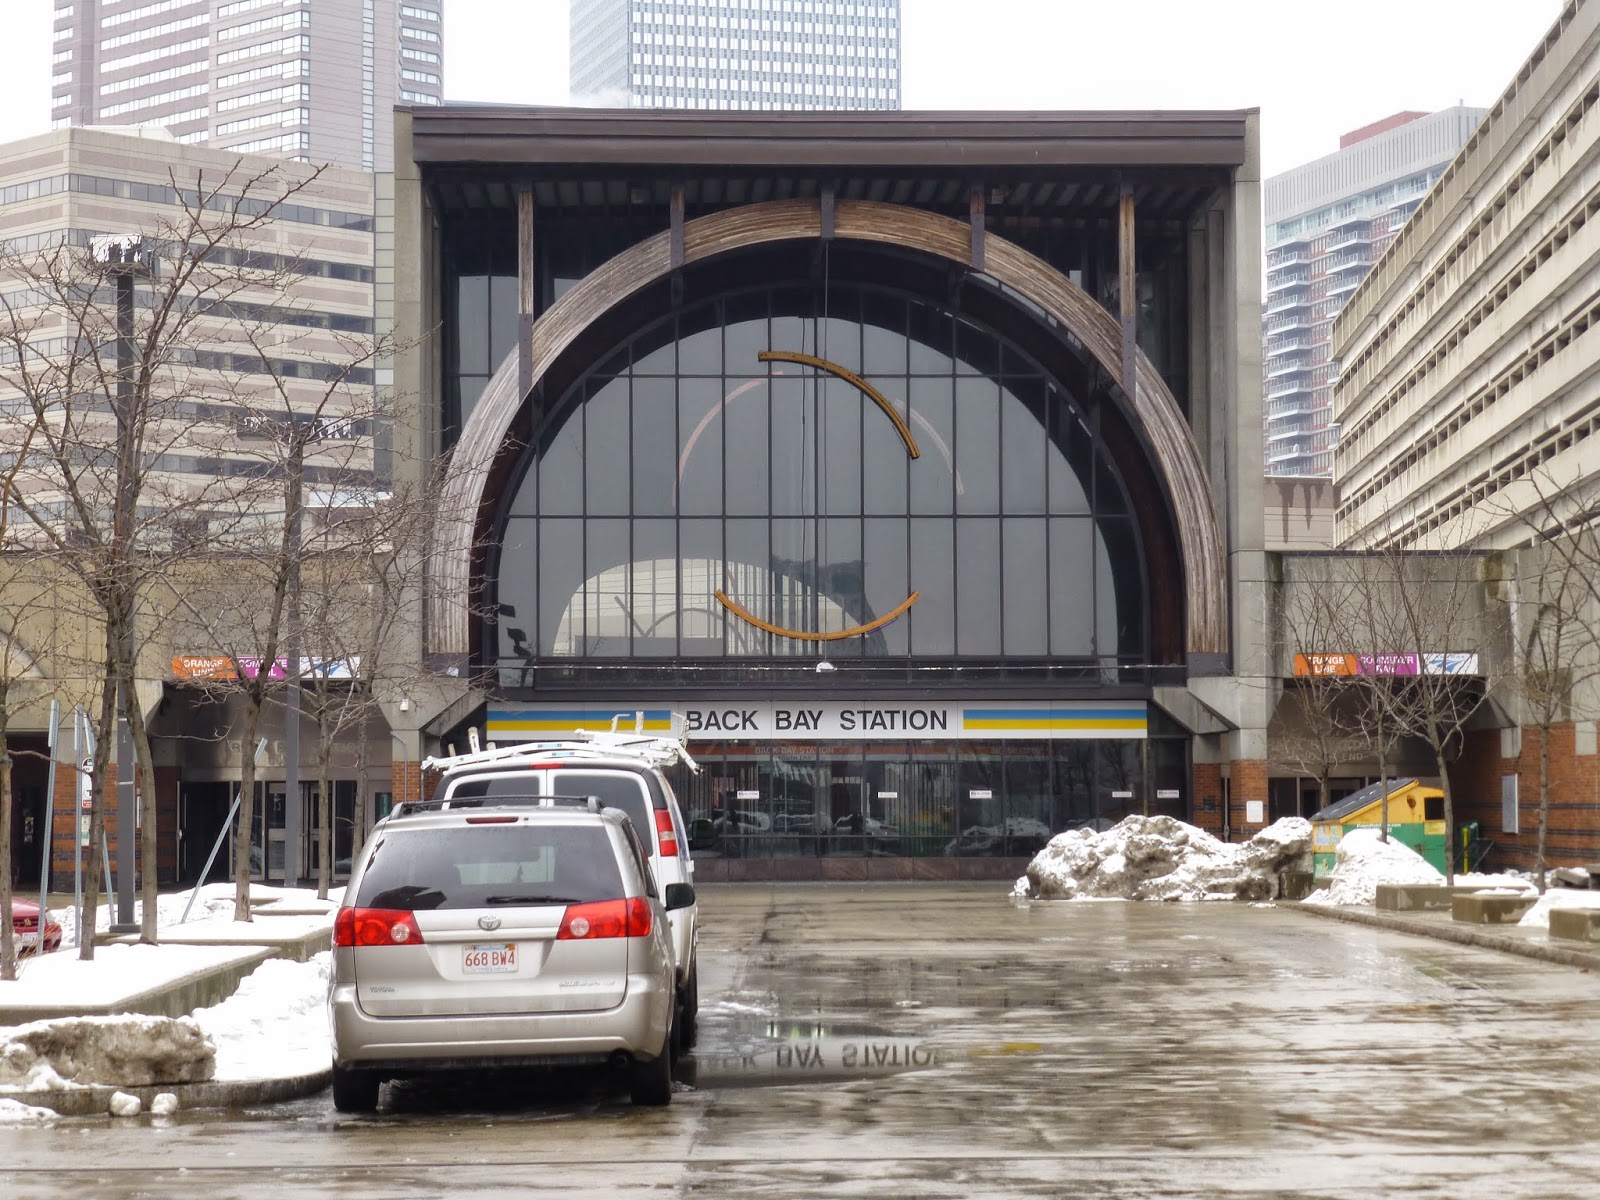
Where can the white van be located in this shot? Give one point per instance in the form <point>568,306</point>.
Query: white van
<point>624,772</point>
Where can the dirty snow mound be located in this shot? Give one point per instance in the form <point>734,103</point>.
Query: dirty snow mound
<point>275,1024</point>
<point>131,1050</point>
<point>125,1105</point>
<point>14,1112</point>
<point>1365,861</point>
<point>1538,917</point>
<point>1162,858</point>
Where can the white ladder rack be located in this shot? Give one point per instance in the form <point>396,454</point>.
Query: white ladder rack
<point>581,743</point>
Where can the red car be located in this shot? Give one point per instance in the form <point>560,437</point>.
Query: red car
<point>25,928</point>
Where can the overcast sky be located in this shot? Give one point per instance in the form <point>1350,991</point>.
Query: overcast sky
<point>1314,70</point>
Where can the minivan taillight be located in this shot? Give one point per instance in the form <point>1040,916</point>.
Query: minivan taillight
<point>376,927</point>
<point>606,919</point>
<point>664,830</point>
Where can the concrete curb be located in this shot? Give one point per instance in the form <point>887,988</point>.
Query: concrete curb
<point>95,1099</point>
<point>1464,936</point>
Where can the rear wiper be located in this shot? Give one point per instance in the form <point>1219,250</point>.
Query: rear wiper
<point>532,900</point>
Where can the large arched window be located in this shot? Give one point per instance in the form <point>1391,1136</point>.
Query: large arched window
<point>688,497</point>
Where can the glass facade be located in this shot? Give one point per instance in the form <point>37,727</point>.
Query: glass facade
<point>687,500</point>
<point>924,799</point>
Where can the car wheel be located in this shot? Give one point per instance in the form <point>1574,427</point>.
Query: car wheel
<point>650,1083</point>
<point>355,1091</point>
<point>689,1009</point>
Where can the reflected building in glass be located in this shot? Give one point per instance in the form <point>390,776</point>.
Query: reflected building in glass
<point>834,462</point>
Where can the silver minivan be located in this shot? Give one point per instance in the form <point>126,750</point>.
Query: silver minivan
<point>626,780</point>
<point>502,933</point>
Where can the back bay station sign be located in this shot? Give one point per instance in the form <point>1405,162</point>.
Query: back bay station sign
<point>834,720</point>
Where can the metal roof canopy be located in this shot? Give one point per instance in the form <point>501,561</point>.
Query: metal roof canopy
<point>475,158</point>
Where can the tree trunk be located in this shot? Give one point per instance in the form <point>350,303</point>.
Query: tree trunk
<point>95,866</point>
<point>247,805</point>
<point>324,824</point>
<point>8,942</point>
<point>1544,799</point>
<point>145,778</point>
<point>1449,814</point>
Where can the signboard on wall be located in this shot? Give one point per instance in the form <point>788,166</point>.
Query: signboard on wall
<point>835,720</point>
<point>1322,665</point>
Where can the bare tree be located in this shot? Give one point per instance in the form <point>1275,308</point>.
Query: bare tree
<point>125,353</point>
<point>1552,594</point>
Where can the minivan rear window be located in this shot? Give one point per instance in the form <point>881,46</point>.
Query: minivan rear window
<point>616,790</point>
<point>422,869</point>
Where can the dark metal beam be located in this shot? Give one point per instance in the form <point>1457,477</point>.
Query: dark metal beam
<point>676,250</point>
<point>975,220</point>
<point>527,288</point>
<point>827,212</point>
<point>1128,276</point>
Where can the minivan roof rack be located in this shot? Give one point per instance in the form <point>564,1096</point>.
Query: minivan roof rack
<point>412,807</point>
<point>582,743</point>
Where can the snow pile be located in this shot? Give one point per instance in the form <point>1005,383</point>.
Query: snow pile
<point>1162,858</point>
<point>1365,861</point>
<point>276,1024</point>
<point>125,1105</point>
<point>214,900</point>
<point>164,1105</point>
<point>128,1049</point>
<point>14,1112</point>
<point>1538,917</point>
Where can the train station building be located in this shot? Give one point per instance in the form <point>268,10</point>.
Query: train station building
<point>911,459</point>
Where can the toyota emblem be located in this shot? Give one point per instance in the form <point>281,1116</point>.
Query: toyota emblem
<point>488,922</point>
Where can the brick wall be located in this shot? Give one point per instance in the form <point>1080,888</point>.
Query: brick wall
<point>1207,786</point>
<point>1574,831</point>
<point>406,780</point>
<point>1247,780</point>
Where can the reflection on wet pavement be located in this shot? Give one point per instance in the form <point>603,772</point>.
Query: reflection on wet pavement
<point>938,1041</point>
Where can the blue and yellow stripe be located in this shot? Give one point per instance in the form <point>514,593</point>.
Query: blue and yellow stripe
<point>512,725</point>
<point>1121,718</point>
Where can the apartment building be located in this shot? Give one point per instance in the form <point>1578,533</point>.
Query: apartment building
<point>312,80</point>
<point>1327,222</point>
<point>736,54</point>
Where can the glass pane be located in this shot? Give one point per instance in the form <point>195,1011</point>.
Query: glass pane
<point>793,435</point>
<point>841,581</point>
<point>839,439</point>
<point>1074,785</point>
<point>1070,462</point>
<point>1072,592</point>
<point>932,337</point>
<point>471,391</point>
<point>978,586</point>
<point>977,351</point>
<point>657,352</point>
<point>978,445</point>
<point>700,353</point>
<point>980,802</point>
<point>933,618</point>
<point>699,576</point>
<point>560,586</point>
<point>885,453</point>
<point>744,424</point>
<point>518,583</point>
<point>745,340</point>
<point>605,431</point>
<point>653,598</point>
<point>749,580</point>
<point>1030,798</point>
<point>883,337</point>
<point>1026,628</point>
<point>504,320</point>
<point>886,585</point>
<point>1121,781</point>
<point>699,463</point>
<point>608,617</point>
<point>1023,447</point>
<point>561,469</point>
<point>655,436</point>
<point>1119,590</point>
<point>933,478</point>
<point>472,325</point>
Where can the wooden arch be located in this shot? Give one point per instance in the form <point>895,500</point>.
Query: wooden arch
<point>1153,407</point>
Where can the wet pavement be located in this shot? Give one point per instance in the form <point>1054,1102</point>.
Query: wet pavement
<point>938,1041</point>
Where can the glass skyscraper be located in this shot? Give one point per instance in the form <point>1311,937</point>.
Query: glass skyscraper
<point>736,54</point>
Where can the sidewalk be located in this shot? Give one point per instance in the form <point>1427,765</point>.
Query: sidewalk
<point>257,988</point>
<point>1508,939</point>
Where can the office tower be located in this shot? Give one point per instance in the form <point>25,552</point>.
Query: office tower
<point>731,54</point>
<point>1327,223</point>
<point>314,80</point>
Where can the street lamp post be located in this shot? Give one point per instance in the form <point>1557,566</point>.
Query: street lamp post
<point>125,258</point>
